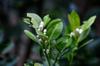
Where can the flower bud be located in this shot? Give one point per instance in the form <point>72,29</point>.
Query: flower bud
<point>37,36</point>
<point>41,25</point>
<point>44,31</point>
<point>72,34</point>
<point>40,40</point>
<point>47,51</point>
<point>79,30</point>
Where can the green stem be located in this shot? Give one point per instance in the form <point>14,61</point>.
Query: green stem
<point>47,57</point>
<point>56,60</point>
<point>45,54</point>
<point>70,63</point>
<point>58,56</point>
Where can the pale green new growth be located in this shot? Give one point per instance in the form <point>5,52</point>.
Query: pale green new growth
<point>30,35</point>
<point>87,24</point>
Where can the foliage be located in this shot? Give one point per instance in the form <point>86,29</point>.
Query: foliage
<point>55,40</point>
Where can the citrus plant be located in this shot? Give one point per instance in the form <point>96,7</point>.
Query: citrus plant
<point>55,40</point>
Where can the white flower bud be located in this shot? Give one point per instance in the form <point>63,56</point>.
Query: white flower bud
<point>79,30</point>
<point>72,34</point>
<point>37,36</point>
<point>47,51</point>
<point>44,50</point>
<point>40,26</point>
<point>38,29</point>
<point>42,23</point>
<point>44,31</point>
<point>40,40</point>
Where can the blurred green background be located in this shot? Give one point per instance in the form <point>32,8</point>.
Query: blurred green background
<point>16,49</point>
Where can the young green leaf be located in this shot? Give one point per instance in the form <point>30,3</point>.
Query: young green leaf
<point>61,43</point>
<point>54,31</point>
<point>46,19</point>
<point>27,20</point>
<point>87,24</point>
<point>69,41</point>
<point>67,30</point>
<point>74,20</point>
<point>53,23</point>
<point>61,40</point>
<point>35,19</point>
<point>30,35</point>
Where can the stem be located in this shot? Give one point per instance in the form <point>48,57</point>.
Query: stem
<point>45,54</point>
<point>59,55</point>
<point>56,59</point>
<point>47,57</point>
<point>70,63</point>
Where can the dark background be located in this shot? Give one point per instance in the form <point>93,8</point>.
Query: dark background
<point>16,48</point>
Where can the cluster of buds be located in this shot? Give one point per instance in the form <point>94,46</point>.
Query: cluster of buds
<point>44,31</point>
<point>41,26</point>
<point>46,50</point>
<point>79,31</point>
<point>41,29</point>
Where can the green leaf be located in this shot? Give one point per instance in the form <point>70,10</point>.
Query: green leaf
<point>35,19</point>
<point>87,24</point>
<point>61,40</point>
<point>30,35</point>
<point>53,23</point>
<point>83,35</point>
<point>55,30</point>
<point>27,20</point>
<point>46,19</point>
<point>38,64</point>
<point>60,43</point>
<point>69,41</point>
<point>74,20</point>
<point>67,30</point>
